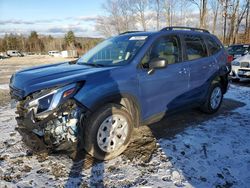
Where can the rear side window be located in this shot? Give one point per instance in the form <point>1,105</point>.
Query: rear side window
<point>212,46</point>
<point>195,47</point>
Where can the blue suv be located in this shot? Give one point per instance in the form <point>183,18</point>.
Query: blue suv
<point>126,81</point>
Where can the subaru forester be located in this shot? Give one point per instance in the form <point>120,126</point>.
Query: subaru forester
<point>126,81</point>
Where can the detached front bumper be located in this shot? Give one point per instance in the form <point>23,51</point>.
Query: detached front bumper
<point>58,131</point>
<point>32,140</point>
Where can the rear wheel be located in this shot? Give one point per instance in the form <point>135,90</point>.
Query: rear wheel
<point>213,100</point>
<point>107,132</point>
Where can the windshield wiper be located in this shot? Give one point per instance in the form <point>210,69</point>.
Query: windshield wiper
<point>93,64</point>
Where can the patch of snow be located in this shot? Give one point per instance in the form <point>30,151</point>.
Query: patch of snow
<point>4,86</point>
<point>214,153</point>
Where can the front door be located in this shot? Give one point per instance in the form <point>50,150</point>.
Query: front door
<point>160,90</point>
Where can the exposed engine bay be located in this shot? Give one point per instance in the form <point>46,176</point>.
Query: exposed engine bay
<point>52,116</point>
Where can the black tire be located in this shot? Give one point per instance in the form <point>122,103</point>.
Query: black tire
<point>207,107</point>
<point>91,127</point>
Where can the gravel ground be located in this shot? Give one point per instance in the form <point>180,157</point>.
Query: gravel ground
<point>188,149</point>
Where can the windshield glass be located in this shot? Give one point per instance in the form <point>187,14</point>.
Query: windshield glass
<point>239,49</point>
<point>113,51</point>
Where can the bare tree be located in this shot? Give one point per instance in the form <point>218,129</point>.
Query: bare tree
<point>156,7</point>
<point>119,18</point>
<point>247,23</point>
<point>203,14</point>
<point>127,14</point>
<point>168,7</point>
<point>114,9</point>
<point>241,14</point>
<point>140,8</point>
<point>224,17</point>
<point>228,17</point>
<point>215,5</point>
<point>158,14</point>
<point>104,26</point>
<point>202,5</point>
<point>233,17</point>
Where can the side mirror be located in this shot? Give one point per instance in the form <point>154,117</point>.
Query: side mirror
<point>157,63</point>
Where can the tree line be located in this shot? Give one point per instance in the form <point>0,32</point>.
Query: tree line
<point>228,19</point>
<point>42,44</point>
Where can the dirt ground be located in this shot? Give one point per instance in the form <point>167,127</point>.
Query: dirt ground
<point>4,97</point>
<point>186,149</point>
<point>182,149</point>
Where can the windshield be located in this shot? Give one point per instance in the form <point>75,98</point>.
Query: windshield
<point>114,51</point>
<point>239,49</point>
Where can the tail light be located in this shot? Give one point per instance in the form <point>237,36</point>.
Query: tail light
<point>230,58</point>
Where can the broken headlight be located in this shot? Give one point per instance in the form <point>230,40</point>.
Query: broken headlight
<point>45,102</point>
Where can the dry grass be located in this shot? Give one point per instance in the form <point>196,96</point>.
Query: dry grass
<point>33,60</point>
<point>11,65</point>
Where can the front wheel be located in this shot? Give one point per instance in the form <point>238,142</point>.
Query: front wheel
<point>107,132</point>
<point>213,100</point>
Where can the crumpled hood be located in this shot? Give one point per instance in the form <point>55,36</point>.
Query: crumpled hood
<point>37,78</point>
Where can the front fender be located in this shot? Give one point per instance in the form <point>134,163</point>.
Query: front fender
<point>94,92</point>
<point>90,95</point>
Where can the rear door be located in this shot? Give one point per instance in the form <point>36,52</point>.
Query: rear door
<point>162,89</point>
<point>202,67</point>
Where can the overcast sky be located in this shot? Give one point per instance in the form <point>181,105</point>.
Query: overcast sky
<point>53,17</point>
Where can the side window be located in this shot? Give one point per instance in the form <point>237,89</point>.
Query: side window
<point>165,47</point>
<point>195,47</point>
<point>212,46</point>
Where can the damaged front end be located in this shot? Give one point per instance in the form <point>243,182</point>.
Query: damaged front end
<point>51,117</point>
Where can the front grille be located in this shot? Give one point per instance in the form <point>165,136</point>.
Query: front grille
<point>15,93</point>
<point>244,64</point>
<point>244,76</point>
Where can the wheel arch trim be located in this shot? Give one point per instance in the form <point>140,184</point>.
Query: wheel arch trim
<point>128,101</point>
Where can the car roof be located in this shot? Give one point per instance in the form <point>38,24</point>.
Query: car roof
<point>181,30</point>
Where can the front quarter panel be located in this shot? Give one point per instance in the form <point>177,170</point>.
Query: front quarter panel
<point>116,82</point>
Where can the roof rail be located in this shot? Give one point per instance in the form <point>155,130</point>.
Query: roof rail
<point>184,28</point>
<point>127,32</point>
